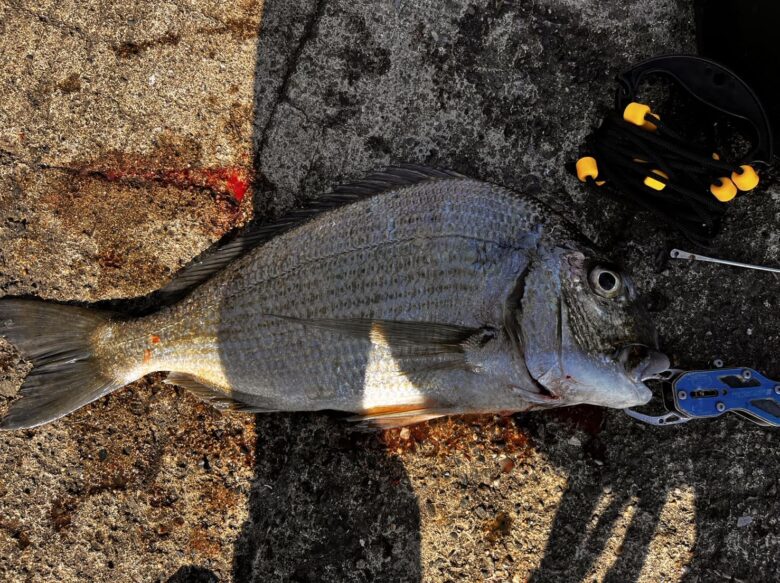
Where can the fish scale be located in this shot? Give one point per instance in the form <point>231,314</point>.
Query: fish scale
<point>428,294</point>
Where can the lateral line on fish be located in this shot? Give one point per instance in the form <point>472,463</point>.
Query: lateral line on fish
<point>159,331</point>
<point>319,258</point>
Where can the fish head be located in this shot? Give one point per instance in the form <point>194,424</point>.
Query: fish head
<point>586,337</point>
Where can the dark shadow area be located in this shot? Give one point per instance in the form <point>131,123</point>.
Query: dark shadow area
<point>626,468</point>
<point>592,504</point>
<point>327,504</point>
<point>570,531</point>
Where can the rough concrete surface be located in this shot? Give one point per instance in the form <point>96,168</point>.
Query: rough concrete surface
<point>128,135</point>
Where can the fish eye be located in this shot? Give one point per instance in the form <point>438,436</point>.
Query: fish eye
<point>606,282</point>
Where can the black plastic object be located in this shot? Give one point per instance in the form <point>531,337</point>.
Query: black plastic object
<point>744,37</point>
<point>712,84</point>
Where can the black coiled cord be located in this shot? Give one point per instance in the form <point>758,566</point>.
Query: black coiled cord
<point>654,168</point>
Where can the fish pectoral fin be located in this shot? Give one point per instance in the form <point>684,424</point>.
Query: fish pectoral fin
<point>425,337</point>
<point>213,395</point>
<point>390,417</point>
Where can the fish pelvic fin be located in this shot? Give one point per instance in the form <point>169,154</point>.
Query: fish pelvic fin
<point>217,396</point>
<point>397,416</point>
<point>66,374</point>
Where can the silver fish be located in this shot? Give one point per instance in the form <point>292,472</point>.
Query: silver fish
<point>437,295</point>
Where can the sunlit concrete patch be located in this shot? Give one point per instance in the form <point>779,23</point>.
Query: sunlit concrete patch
<point>126,137</point>
<point>125,150</point>
<point>671,549</point>
<point>83,78</point>
<point>482,517</point>
<point>152,490</point>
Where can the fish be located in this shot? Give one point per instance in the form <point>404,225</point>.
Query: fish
<point>413,294</point>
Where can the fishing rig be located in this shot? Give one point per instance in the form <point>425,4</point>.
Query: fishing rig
<point>637,158</point>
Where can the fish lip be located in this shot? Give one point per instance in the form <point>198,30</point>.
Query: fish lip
<point>650,366</point>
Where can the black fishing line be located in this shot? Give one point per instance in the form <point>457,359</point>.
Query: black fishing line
<point>653,167</point>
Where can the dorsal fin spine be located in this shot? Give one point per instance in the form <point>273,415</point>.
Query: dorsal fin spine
<point>254,234</point>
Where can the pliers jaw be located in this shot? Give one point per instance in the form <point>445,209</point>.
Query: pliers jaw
<point>670,416</point>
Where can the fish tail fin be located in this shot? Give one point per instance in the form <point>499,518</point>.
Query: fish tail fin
<point>66,374</point>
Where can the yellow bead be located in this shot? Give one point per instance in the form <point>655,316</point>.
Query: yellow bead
<point>715,156</point>
<point>745,180</point>
<point>725,191</point>
<point>587,168</point>
<point>635,113</point>
<point>656,184</point>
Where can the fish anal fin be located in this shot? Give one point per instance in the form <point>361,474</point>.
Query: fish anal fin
<point>214,395</point>
<point>394,422</point>
<point>200,387</point>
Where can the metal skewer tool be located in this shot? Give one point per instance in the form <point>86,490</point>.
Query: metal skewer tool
<point>680,254</point>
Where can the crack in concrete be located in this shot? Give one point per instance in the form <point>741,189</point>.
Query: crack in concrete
<point>57,24</point>
<point>238,28</point>
<point>193,10</point>
<point>297,108</point>
<point>308,35</point>
<point>8,158</point>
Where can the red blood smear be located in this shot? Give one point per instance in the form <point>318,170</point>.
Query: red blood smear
<point>233,181</point>
<point>588,418</point>
<point>237,186</point>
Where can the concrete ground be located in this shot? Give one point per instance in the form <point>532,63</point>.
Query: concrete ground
<point>134,135</point>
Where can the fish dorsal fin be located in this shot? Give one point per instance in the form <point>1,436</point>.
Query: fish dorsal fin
<point>220,255</point>
<point>213,395</point>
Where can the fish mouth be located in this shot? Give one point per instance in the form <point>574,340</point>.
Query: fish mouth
<point>541,396</point>
<point>643,363</point>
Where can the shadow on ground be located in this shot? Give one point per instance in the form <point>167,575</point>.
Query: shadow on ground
<point>327,504</point>
<point>638,494</point>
